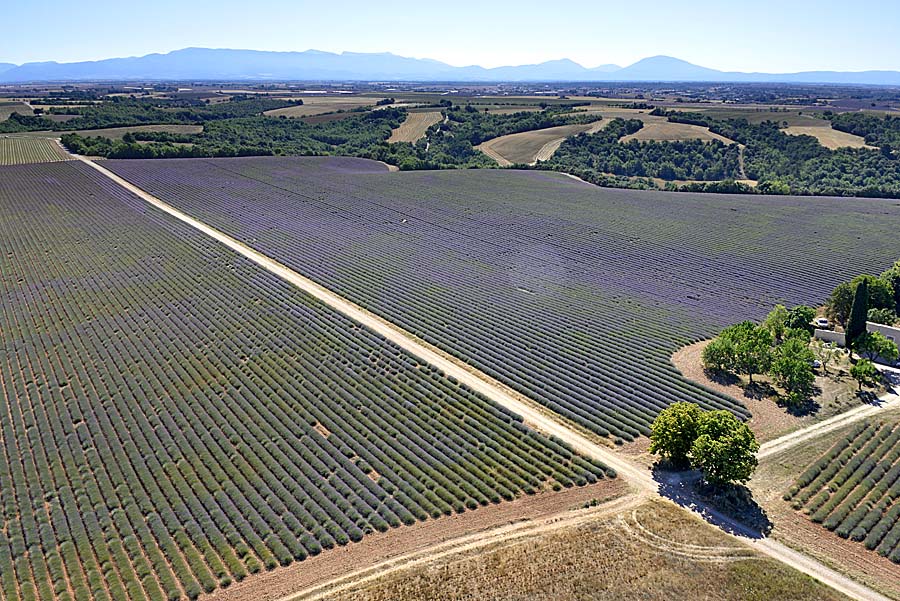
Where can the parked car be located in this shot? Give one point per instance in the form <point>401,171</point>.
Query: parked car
<point>822,323</point>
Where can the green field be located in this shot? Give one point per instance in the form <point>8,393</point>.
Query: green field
<point>175,419</point>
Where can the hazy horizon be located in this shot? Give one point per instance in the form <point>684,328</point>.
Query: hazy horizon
<point>777,39</point>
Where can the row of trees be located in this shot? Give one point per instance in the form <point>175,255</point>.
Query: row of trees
<point>718,444</point>
<point>882,292</point>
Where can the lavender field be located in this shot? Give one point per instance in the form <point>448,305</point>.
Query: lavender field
<point>574,295</point>
<point>173,418</point>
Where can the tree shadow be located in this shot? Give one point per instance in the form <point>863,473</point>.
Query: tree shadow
<point>730,508</point>
<point>807,406</point>
<point>759,391</point>
<point>723,378</point>
<point>868,397</point>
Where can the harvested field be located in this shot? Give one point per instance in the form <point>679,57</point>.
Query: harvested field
<point>175,419</point>
<point>573,295</point>
<point>415,126</point>
<point>666,131</point>
<point>828,137</point>
<point>116,133</point>
<point>531,146</point>
<point>317,105</point>
<point>654,552</point>
<point>8,108</point>
<point>21,151</point>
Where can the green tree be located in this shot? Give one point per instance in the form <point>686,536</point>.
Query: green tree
<point>718,355</point>
<point>725,449</point>
<point>753,349</point>
<point>673,432</point>
<point>882,316</point>
<point>800,317</point>
<point>892,276</point>
<point>776,321</point>
<point>873,345</point>
<point>840,302</point>
<point>880,290</point>
<point>865,373</point>
<point>856,323</point>
<point>792,369</point>
<point>797,334</point>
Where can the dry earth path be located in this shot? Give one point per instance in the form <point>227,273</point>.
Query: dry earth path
<point>533,414</point>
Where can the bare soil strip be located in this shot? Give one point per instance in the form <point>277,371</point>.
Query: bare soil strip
<point>534,415</point>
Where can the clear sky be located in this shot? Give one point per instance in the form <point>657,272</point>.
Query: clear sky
<point>751,35</point>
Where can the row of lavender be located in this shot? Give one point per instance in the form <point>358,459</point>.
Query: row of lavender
<point>173,418</point>
<point>571,294</point>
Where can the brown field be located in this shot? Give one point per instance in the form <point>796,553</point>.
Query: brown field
<point>666,131</point>
<point>777,473</point>
<point>22,151</point>
<point>829,138</point>
<point>532,146</point>
<point>317,105</point>
<point>415,126</point>
<point>116,133</point>
<point>8,108</point>
<point>652,552</point>
<point>397,544</point>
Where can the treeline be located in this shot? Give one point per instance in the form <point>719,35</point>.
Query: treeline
<point>124,112</point>
<point>251,136</point>
<point>788,164</point>
<point>883,132</point>
<point>602,155</point>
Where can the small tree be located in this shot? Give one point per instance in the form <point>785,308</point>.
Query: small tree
<point>792,370</point>
<point>856,324</point>
<point>865,373</point>
<point>718,355</point>
<point>725,449</point>
<point>776,320</point>
<point>825,352</point>
<point>800,317</point>
<point>873,345</point>
<point>673,432</point>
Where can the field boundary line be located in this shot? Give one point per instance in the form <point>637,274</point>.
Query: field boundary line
<point>539,419</point>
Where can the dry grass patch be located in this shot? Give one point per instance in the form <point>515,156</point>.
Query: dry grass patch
<point>415,126</point>
<point>8,108</point>
<point>828,137</point>
<point>665,131</point>
<point>655,552</point>
<point>532,146</point>
<point>318,105</point>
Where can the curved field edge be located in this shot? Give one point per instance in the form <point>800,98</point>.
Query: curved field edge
<point>572,295</point>
<point>180,419</point>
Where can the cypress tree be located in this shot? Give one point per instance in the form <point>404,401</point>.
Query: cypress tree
<point>856,325</point>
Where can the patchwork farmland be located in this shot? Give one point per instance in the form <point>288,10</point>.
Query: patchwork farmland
<point>175,418</point>
<point>577,303</point>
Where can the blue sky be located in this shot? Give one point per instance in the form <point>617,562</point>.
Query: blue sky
<point>760,35</point>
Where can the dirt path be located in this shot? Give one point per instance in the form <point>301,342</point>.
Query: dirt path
<point>534,415</point>
<point>773,447</point>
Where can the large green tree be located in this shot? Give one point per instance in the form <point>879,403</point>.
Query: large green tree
<point>792,369</point>
<point>776,321</point>
<point>673,432</point>
<point>800,317</point>
<point>892,276</point>
<point>753,350</point>
<point>725,449</point>
<point>856,323</point>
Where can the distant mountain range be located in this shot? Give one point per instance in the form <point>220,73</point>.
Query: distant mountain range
<point>201,64</point>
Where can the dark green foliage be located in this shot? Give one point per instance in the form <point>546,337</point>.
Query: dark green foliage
<point>878,131</point>
<point>792,368</point>
<point>883,316</point>
<point>856,323</point>
<point>673,432</point>
<point>892,277</point>
<point>800,317</point>
<point>725,449</point>
<point>874,345</point>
